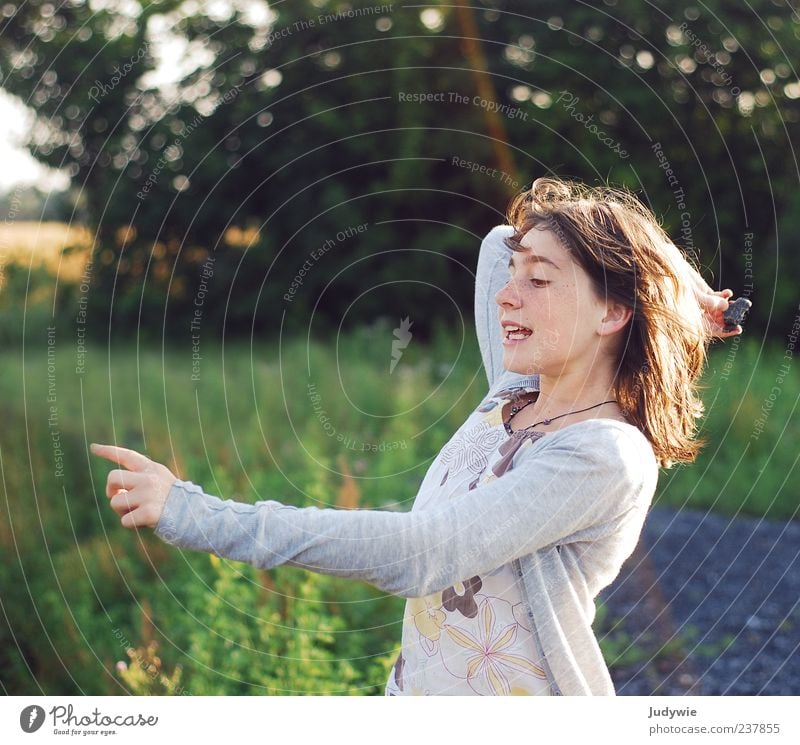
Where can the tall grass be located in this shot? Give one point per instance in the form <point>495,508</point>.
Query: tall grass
<point>93,608</point>
<point>90,607</point>
<point>751,430</point>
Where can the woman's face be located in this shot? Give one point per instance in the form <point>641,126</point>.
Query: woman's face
<point>552,296</point>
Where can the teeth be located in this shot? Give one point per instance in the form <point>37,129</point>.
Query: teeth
<point>517,332</point>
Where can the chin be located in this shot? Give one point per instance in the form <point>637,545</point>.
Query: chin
<point>521,367</point>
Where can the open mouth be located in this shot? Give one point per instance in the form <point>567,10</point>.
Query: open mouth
<point>517,333</point>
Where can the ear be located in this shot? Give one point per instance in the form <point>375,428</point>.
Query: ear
<point>617,316</point>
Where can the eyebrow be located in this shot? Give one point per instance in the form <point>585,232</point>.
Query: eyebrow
<point>533,259</point>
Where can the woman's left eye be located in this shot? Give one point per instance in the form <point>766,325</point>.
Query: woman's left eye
<point>539,282</point>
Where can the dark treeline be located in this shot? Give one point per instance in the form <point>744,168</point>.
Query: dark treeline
<point>328,163</point>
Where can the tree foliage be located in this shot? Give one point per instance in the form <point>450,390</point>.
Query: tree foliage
<point>285,127</point>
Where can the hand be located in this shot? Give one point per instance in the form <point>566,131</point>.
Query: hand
<point>714,303</point>
<point>138,494</point>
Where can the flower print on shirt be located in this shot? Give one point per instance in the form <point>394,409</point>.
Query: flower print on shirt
<point>461,597</point>
<point>472,636</point>
<point>492,409</point>
<point>519,616</point>
<point>398,671</point>
<point>509,449</point>
<point>470,450</point>
<point>428,618</point>
<point>492,646</point>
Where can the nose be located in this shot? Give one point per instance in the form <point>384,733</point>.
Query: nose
<point>508,295</point>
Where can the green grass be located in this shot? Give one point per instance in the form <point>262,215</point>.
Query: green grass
<point>81,594</point>
<point>750,458</point>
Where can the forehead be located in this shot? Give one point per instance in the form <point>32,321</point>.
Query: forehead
<point>542,248</point>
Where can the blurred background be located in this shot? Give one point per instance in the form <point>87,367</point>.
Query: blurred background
<point>241,236</point>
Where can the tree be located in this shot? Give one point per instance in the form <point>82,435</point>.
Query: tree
<point>319,117</point>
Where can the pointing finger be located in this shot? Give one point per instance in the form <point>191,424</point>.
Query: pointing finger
<point>130,459</point>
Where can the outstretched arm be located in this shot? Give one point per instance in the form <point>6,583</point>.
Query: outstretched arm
<point>576,484</point>
<point>491,274</point>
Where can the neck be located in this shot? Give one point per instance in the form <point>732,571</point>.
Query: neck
<point>569,392</point>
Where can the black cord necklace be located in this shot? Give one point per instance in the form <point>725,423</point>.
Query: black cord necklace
<point>516,409</point>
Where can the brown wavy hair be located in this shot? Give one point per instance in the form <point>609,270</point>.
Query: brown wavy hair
<point>629,258</point>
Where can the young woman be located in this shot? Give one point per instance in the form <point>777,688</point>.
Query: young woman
<point>592,354</point>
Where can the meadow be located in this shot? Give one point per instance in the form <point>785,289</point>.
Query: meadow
<point>89,607</point>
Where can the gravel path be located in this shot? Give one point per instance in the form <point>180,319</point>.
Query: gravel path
<point>711,605</point>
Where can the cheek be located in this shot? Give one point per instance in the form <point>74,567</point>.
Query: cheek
<point>562,304</point>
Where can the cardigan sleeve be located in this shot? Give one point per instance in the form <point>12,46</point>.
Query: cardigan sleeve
<point>571,485</point>
<point>491,274</point>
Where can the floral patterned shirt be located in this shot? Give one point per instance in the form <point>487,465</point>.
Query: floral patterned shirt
<point>472,637</point>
